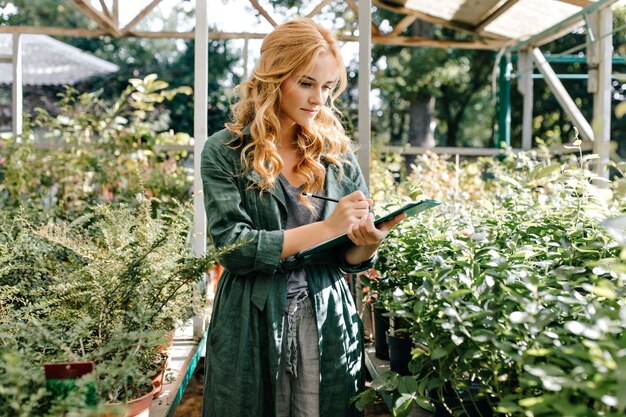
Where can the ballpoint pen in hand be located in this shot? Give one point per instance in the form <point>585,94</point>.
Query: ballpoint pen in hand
<point>321,197</point>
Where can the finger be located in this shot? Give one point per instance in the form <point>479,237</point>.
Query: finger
<point>356,196</point>
<point>386,226</point>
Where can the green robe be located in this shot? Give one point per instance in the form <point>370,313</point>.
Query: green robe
<point>244,335</point>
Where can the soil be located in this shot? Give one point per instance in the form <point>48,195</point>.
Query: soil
<point>191,403</point>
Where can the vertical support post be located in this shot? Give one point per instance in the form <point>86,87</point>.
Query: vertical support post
<point>525,87</point>
<point>564,99</point>
<point>200,119</point>
<point>365,67</point>
<point>364,127</point>
<point>246,54</point>
<point>116,13</point>
<point>17,93</point>
<point>504,101</point>
<point>600,65</point>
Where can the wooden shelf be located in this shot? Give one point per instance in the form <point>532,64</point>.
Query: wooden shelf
<point>185,354</point>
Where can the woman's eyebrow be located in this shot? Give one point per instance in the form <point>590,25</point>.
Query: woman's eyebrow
<point>314,80</point>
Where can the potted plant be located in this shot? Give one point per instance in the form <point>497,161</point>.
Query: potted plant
<point>119,281</point>
<point>514,298</point>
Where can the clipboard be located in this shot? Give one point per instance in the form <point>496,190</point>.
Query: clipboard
<point>411,209</point>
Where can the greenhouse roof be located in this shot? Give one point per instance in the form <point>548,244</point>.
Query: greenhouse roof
<point>47,61</point>
<point>510,21</point>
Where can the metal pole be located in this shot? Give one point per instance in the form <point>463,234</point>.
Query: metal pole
<point>201,75</point>
<point>17,93</point>
<point>365,67</point>
<point>504,102</point>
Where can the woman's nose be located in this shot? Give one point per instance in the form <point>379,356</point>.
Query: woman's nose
<point>316,98</point>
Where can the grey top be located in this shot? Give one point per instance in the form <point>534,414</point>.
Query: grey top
<point>298,215</point>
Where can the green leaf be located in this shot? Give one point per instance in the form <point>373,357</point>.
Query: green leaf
<point>364,399</point>
<point>438,353</point>
<point>545,171</point>
<point>407,385</point>
<point>387,381</point>
<point>530,402</point>
<point>403,405</point>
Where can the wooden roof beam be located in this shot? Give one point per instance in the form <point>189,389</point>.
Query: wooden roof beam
<point>105,9</point>
<point>129,27</point>
<point>101,19</point>
<point>493,14</point>
<point>116,13</point>
<point>318,9</point>
<point>264,13</point>
<point>579,3</point>
<point>423,16</point>
<point>402,24</point>
<point>355,9</point>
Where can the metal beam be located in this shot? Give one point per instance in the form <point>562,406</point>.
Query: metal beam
<point>365,84</point>
<point>17,94</point>
<point>546,34</point>
<point>562,96</point>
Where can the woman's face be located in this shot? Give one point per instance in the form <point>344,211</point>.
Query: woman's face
<point>303,95</point>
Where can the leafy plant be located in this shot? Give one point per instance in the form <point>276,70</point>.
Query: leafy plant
<point>516,299</point>
<point>91,151</point>
<point>104,288</point>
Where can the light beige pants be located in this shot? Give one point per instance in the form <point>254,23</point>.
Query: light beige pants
<point>297,387</point>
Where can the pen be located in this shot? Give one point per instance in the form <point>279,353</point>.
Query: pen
<point>321,197</point>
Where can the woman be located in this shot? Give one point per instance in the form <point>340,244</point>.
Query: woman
<point>285,338</point>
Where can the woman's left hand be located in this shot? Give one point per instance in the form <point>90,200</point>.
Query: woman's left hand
<point>365,233</point>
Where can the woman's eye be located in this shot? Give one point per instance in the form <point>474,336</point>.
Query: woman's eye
<point>305,84</point>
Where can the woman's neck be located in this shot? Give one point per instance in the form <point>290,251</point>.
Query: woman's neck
<point>286,138</point>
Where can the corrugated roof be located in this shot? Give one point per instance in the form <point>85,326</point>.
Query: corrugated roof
<point>509,20</point>
<point>47,61</point>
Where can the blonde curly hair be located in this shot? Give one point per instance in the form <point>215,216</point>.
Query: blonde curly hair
<point>290,49</point>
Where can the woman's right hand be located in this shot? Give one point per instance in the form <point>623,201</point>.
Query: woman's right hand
<point>350,209</point>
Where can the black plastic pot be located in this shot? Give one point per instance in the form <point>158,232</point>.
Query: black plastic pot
<point>464,403</point>
<point>381,327</point>
<point>399,354</point>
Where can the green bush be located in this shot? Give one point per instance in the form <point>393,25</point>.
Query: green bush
<point>104,288</point>
<point>517,296</point>
<point>93,152</point>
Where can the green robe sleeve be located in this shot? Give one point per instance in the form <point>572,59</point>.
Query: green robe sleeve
<point>228,221</point>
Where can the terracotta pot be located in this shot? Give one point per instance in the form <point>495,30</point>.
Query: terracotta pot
<point>137,407</point>
<point>157,379</point>
<point>169,342</point>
